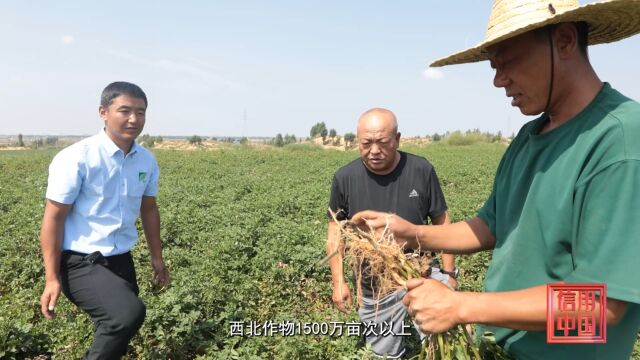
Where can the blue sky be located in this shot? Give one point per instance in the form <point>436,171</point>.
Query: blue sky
<point>288,64</point>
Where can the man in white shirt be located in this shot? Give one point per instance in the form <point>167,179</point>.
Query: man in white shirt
<point>96,189</point>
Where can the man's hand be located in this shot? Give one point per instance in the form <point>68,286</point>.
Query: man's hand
<point>160,273</point>
<point>49,298</point>
<point>403,231</point>
<point>432,305</point>
<point>342,297</point>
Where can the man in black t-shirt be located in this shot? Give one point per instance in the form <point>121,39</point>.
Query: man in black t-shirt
<point>388,180</point>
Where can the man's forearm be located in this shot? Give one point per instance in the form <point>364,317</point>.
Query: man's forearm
<point>151,224</point>
<point>521,310</point>
<point>524,309</point>
<point>50,243</point>
<point>51,234</point>
<point>335,249</point>
<point>337,269</point>
<point>463,237</point>
<point>448,260</point>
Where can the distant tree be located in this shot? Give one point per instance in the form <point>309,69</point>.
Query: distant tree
<point>323,133</point>
<point>289,139</point>
<point>159,139</point>
<point>244,140</point>
<point>51,141</point>
<point>37,143</point>
<point>458,138</point>
<point>147,140</point>
<point>20,140</point>
<point>278,141</point>
<point>195,140</point>
<point>349,138</point>
<point>497,137</point>
<point>333,133</point>
<point>436,137</point>
<point>317,129</point>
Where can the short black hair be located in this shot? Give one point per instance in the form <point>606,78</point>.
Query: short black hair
<point>118,88</point>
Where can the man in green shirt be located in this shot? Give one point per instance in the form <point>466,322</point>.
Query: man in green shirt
<point>566,198</point>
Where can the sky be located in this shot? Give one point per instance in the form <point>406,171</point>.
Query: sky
<point>257,68</point>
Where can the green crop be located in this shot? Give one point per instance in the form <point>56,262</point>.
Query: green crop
<point>242,230</point>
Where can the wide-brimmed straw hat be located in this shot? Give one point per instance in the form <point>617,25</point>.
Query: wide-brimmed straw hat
<point>608,21</point>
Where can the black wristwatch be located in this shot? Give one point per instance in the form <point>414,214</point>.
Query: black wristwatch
<point>453,274</point>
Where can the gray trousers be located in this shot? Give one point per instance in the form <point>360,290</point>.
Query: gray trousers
<point>384,321</point>
<point>105,288</point>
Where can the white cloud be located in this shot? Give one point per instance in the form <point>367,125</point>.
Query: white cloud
<point>67,39</point>
<point>433,74</point>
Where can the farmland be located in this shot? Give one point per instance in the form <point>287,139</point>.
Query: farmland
<point>242,228</point>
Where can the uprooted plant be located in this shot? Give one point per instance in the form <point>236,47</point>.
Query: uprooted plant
<point>385,263</point>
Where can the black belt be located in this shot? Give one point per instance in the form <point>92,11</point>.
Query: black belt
<point>95,257</point>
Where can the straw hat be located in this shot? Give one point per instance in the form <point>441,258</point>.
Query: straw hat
<point>608,21</point>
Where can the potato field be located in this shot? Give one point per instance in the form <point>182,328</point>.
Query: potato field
<point>242,229</point>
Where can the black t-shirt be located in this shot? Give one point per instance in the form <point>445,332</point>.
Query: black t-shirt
<point>412,190</point>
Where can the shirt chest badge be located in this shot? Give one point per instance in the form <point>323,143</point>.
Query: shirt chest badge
<point>413,193</point>
<point>142,176</point>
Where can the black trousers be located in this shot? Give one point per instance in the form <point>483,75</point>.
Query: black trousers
<point>106,288</point>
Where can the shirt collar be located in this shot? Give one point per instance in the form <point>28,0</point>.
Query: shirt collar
<point>111,147</point>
